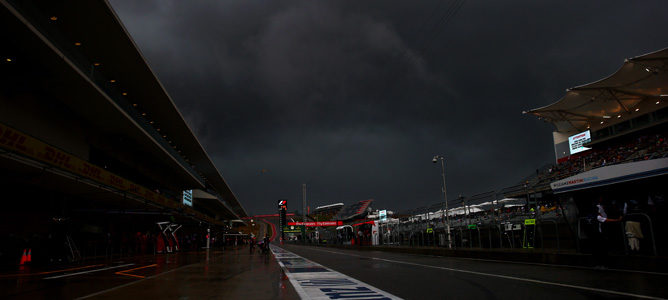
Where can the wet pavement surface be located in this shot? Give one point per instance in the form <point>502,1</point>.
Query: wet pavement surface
<point>238,274</point>
<point>427,277</point>
<point>229,274</point>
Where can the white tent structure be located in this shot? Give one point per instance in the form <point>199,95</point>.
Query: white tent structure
<point>639,86</point>
<point>511,202</point>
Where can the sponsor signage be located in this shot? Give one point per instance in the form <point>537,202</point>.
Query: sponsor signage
<point>382,215</point>
<point>473,226</point>
<point>316,224</point>
<point>612,174</point>
<point>576,142</point>
<point>292,229</point>
<point>529,233</point>
<point>28,146</point>
<point>188,197</point>
<point>282,208</point>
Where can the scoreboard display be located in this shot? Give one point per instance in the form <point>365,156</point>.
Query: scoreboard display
<point>282,208</point>
<point>576,142</point>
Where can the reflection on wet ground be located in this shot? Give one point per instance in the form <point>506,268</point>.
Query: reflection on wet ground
<point>234,273</point>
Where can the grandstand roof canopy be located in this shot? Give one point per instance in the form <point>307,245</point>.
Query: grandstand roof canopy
<point>353,211</point>
<point>330,206</point>
<point>634,89</point>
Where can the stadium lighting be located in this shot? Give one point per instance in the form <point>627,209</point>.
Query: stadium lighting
<point>663,95</point>
<point>53,18</point>
<point>96,64</point>
<point>657,102</point>
<point>607,117</point>
<point>112,81</point>
<point>77,44</point>
<point>445,196</point>
<point>8,60</point>
<point>619,116</point>
<point>602,122</point>
<point>637,109</point>
<point>124,94</point>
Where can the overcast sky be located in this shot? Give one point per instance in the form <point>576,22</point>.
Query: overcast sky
<point>355,97</point>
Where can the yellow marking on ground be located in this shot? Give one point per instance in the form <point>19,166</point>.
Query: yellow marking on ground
<point>125,272</point>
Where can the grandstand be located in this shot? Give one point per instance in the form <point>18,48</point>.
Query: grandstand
<point>326,212</point>
<point>621,119</point>
<point>355,211</point>
<point>609,142</point>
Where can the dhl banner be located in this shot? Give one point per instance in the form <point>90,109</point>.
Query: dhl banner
<point>16,141</point>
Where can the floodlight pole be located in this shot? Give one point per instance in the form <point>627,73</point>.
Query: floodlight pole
<point>445,200</point>
<point>304,210</point>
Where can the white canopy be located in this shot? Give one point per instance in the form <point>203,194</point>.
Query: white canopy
<point>634,89</point>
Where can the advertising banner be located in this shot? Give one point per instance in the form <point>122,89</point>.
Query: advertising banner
<point>292,229</point>
<point>282,208</point>
<point>612,174</point>
<point>316,224</point>
<point>28,146</point>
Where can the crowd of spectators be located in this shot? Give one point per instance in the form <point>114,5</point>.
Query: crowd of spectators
<point>644,147</point>
<point>326,215</point>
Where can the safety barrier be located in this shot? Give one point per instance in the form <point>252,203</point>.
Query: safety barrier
<point>550,233</point>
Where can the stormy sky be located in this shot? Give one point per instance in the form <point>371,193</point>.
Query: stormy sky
<point>355,97</point>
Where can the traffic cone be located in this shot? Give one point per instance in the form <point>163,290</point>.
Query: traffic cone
<point>29,255</point>
<point>24,257</point>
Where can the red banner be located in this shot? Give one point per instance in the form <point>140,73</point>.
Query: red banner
<point>19,142</point>
<point>316,224</point>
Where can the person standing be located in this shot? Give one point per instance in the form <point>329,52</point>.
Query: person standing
<point>601,241</point>
<point>265,244</point>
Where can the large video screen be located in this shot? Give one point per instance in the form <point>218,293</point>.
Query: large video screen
<point>576,142</point>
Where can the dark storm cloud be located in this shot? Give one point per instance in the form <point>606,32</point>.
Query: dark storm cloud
<point>354,97</point>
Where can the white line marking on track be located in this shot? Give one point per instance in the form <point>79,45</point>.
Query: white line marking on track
<point>505,277</point>
<point>90,271</point>
<point>131,283</point>
<point>553,265</point>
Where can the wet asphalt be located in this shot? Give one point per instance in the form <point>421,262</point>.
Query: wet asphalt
<point>229,274</point>
<point>429,277</point>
